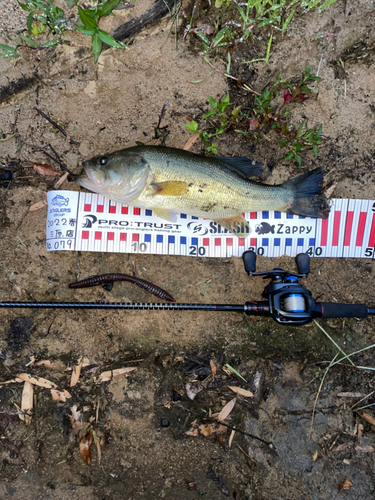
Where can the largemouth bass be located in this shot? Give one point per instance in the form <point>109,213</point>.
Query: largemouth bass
<point>170,181</point>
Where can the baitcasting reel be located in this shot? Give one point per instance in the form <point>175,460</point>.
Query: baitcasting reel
<point>288,302</point>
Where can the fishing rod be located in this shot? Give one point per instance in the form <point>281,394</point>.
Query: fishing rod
<point>287,302</point>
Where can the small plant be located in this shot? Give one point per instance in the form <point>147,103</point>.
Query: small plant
<point>43,15</point>
<point>264,118</point>
<point>90,20</point>
<point>223,38</point>
<point>217,122</point>
<point>269,117</point>
<point>270,12</point>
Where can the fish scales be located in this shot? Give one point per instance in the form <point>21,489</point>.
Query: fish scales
<point>212,189</point>
<point>171,181</point>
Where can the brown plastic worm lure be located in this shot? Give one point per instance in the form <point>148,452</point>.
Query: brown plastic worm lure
<point>110,278</point>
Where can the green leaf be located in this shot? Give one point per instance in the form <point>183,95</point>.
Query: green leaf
<point>298,160</point>
<point>87,31</point>
<point>25,7</point>
<point>50,43</point>
<point>210,113</point>
<point>224,31</point>
<point>192,126</point>
<point>289,156</point>
<point>109,40</point>
<point>327,4</point>
<point>213,103</point>
<point>202,79</point>
<point>235,113</point>
<point>226,99</point>
<point>283,143</point>
<point>319,133</point>
<point>235,372</point>
<point>203,37</point>
<point>29,22</point>
<point>6,47</point>
<point>29,41</point>
<point>107,8</point>
<point>96,45</point>
<point>315,149</point>
<point>269,49</point>
<point>287,21</point>
<point>86,18</point>
<point>301,129</point>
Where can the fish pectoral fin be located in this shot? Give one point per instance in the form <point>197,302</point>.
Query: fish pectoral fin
<point>236,225</point>
<point>170,188</point>
<point>164,213</point>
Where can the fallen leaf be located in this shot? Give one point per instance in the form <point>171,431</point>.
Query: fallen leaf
<point>44,170</point>
<point>98,446</point>
<point>241,392</point>
<point>61,180</point>
<point>110,374</point>
<point>226,370</point>
<point>85,447</point>
<point>38,205</point>
<point>209,430</point>
<point>328,192</point>
<point>31,362</point>
<point>350,395</point>
<point>60,396</point>
<point>213,367</point>
<point>347,485</point>
<point>76,373</point>
<point>52,365</point>
<point>227,409</point>
<point>370,419</point>
<point>191,141</point>
<point>365,449</point>
<point>193,389</point>
<point>27,403</point>
<point>315,456</point>
<point>39,381</point>
<point>231,437</point>
<point>342,446</point>
<point>193,431</point>
<point>13,381</point>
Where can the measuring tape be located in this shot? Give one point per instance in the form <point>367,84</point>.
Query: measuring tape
<point>91,222</point>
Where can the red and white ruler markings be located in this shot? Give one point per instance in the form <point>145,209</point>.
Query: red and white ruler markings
<point>91,222</point>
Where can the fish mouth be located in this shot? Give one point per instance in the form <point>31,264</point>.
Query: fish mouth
<point>90,177</point>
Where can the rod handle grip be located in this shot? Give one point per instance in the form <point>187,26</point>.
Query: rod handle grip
<point>334,310</point>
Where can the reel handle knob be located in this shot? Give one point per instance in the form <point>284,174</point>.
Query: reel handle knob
<point>303,263</point>
<point>249,259</point>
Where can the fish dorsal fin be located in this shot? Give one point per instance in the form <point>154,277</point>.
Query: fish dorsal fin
<point>243,167</point>
<point>236,225</point>
<point>166,214</point>
<point>170,188</point>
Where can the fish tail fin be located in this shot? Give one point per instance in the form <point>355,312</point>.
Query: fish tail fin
<point>272,229</point>
<point>308,200</point>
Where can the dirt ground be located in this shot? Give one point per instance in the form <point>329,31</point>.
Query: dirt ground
<point>141,419</point>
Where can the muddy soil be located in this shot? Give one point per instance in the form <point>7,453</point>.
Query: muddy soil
<point>140,420</point>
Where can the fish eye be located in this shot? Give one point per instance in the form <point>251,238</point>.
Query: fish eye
<point>103,160</point>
